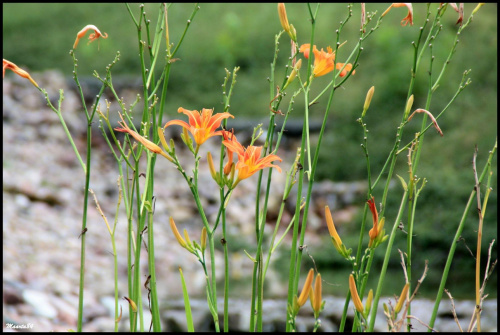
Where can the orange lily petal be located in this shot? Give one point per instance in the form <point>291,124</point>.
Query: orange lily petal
<point>201,125</point>
<point>408,18</point>
<point>97,33</point>
<point>17,70</point>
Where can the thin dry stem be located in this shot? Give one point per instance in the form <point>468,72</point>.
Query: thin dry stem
<point>433,119</point>
<point>453,311</point>
<point>100,211</point>
<point>397,325</point>
<point>422,323</point>
<point>477,310</point>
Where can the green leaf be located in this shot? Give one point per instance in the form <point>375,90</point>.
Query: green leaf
<point>187,305</point>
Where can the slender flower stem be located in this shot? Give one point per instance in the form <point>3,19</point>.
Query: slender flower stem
<point>386,262</point>
<point>84,227</point>
<point>155,312</point>
<point>294,271</point>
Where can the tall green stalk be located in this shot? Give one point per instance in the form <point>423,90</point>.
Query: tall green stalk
<point>454,243</point>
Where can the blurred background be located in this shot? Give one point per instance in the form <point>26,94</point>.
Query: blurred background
<point>38,37</point>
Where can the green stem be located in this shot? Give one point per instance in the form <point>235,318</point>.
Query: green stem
<point>386,262</point>
<point>155,311</point>
<point>456,239</point>
<point>226,266</point>
<point>84,227</point>
<point>293,271</point>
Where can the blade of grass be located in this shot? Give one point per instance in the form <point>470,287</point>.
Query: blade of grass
<point>187,305</point>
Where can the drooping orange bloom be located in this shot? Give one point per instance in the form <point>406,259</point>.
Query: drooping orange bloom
<point>408,18</point>
<point>249,160</point>
<point>201,125</point>
<point>459,10</point>
<point>144,141</point>
<point>97,33</point>
<point>17,70</point>
<point>324,61</point>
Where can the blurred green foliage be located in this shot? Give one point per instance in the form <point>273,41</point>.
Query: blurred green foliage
<point>38,37</point>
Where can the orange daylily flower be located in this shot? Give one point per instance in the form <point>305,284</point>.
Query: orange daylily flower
<point>147,143</point>
<point>97,33</point>
<point>408,18</point>
<point>324,61</point>
<point>201,125</point>
<point>249,160</point>
<point>17,70</point>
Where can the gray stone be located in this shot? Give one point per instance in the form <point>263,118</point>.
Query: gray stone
<point>40,301</point>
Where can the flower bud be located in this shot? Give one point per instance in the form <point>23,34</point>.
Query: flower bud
<point>354,293</point>
<point>283,17</point>
<point>369,301</point>
<point>293,74</point>
<point>479,5</point>
<point>337,242</point>
<point>409,104</point>
<point>179,238</point>
<point>203,239</point>
<point>402,298</point>
<point>211,166</point>
<point>132,304</point>
<point>162,139</point>
<point>315,296</point>
<point>368,100</point>
<point>305,290</point>
<point>292,33</point>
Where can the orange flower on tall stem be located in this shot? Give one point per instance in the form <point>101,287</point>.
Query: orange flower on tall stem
<point>324,61</point>
<point>92,37</point>
<point>249,160</point>
<point>202,124</point>
<point>408,18</point>
<point>17,70</point>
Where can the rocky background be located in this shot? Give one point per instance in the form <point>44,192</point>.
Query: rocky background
<point>42,204</point>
